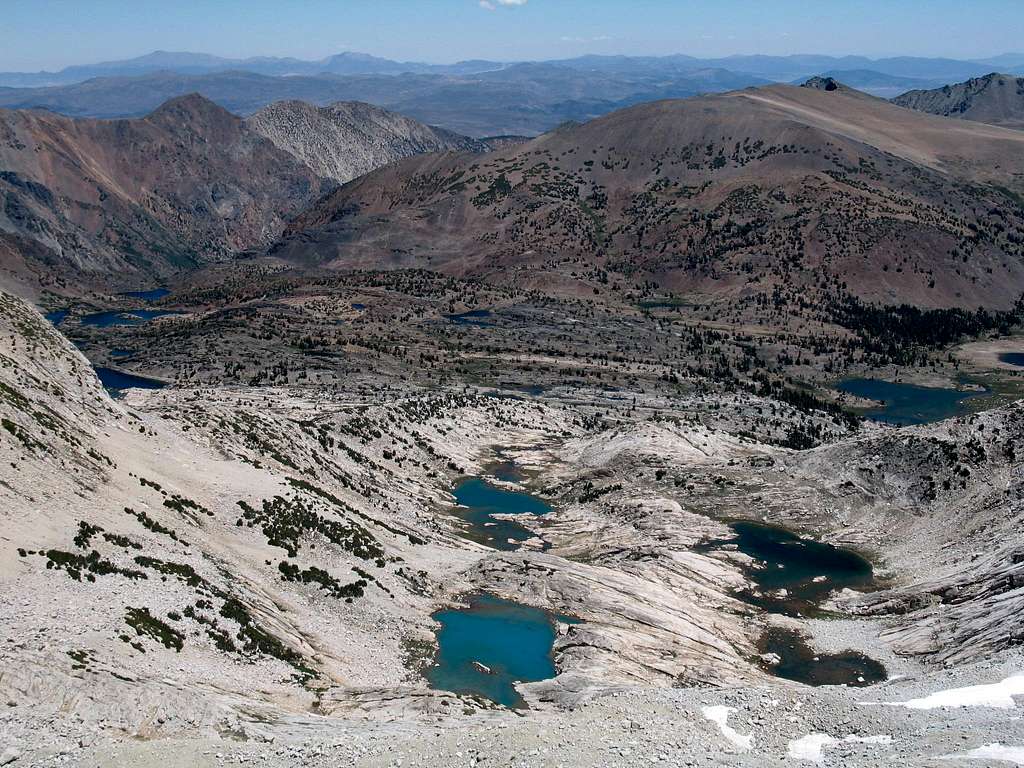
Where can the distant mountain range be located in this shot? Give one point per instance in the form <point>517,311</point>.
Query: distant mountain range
<point>475,98</point>
<point>777,68</point>
<point>521,99</point>
<point>203,64</point>
<point>697,193</point>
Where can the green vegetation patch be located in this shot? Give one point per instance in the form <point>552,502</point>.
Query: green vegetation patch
<point>182,571</point>
<point>256,640</point>
<point>323,579</point>
<point>327,496</point>
<point>148,625</point>
<point>88,566</point>
<point>284,521</point>
<point>152,525</point>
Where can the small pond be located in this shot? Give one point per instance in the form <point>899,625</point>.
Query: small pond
<point>487,648</point>
<point>56,317</point>
<point>905,404</point>
<point>512,390</point>
<point>473,317</point>
<point>479,501</point>
<point>150,295</point>
<point>797,661</point>
<point>1013,358</point>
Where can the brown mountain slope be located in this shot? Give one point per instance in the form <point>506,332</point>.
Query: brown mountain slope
<point>996,99</point>
<point>350,138</point>
<point>801,192</point>
<point>186,184</point>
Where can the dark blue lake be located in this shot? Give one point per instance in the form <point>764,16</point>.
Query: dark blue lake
<point>808,570</point>
<point>125,317</point>
<point>533,390</point>
<point>906,404</point>
<point>473,317</point>
<point>115,381</point>
<point>797,661</point>
<point>513,643</point>
<point>56,317</point>
<point>120,352</point>
<point>480,501</point>
<point>1013,358</point>
<point>151,295</point>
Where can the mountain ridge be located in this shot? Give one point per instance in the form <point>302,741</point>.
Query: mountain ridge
<point>714,194</point>
<point>186,184</point>
<point>997,99</point>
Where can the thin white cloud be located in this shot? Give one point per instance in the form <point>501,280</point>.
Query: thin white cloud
<point>492,5</point>
<point>593,39</point>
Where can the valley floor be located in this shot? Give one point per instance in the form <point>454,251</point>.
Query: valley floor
<point>246,575</point>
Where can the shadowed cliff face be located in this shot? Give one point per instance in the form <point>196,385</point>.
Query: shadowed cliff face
<point>187,184</point>
<point>804,190</point>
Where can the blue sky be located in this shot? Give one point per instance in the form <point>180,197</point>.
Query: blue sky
<point>54,33</point>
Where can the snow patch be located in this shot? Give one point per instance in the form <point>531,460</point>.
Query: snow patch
<point>993,751</point>
<point>812,746</point>
<point>720,716</point>
<point>999,695</point>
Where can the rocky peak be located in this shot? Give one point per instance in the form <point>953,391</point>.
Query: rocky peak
<point>191,109</point>
<point>823,83</point>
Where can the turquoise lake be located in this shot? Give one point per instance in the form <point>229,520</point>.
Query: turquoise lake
<point>480,501</point>
<point>906,404</point>
<point>512,641</point>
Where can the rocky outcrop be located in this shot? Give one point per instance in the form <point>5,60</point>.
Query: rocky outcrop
<point>350,138</point>
<point>823,84</point>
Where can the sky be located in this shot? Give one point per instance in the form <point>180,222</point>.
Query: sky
<point>50,34</point>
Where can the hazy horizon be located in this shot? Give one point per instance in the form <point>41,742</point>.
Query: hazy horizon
<point>444,62</point>
<point>52,34</point>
